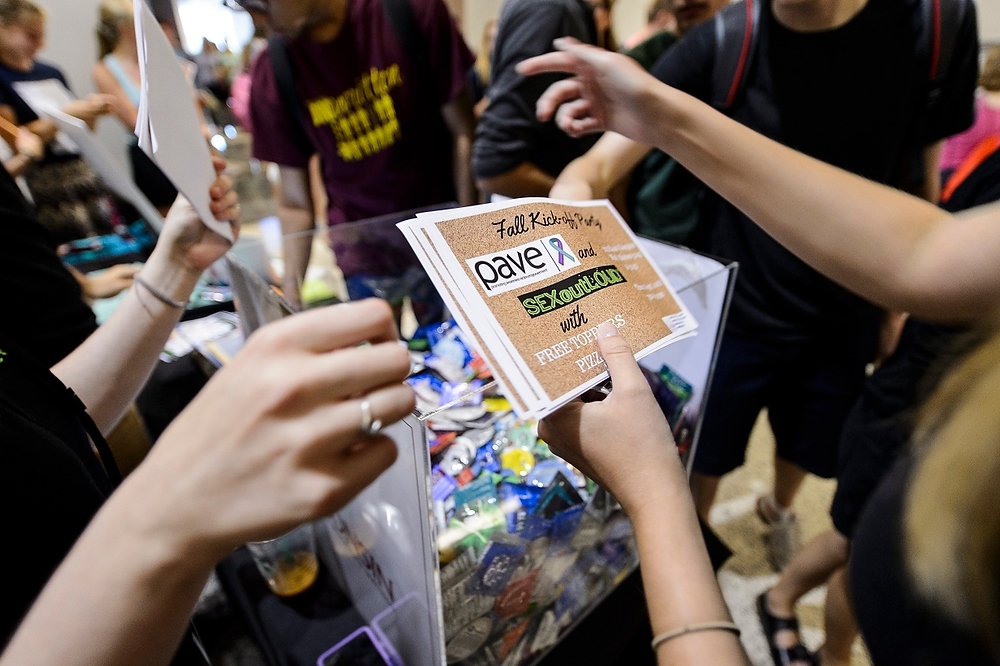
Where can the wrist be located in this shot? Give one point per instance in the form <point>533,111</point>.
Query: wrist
<point>173,277</point>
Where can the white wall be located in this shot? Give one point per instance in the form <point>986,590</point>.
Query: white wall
<point>71,45</point>
<point>988,12</point>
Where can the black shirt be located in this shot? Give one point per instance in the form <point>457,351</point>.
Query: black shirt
<point>509,133</point>
<point>51,482</point>
<point>45,312</point>
<point>9,77</point>
<point>853,97</point>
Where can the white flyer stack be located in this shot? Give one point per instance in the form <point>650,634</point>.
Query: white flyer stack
<point>530,280</point>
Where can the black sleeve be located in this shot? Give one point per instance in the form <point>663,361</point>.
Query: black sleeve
<point>954,111</point>
<point>509,130</point>
<point>687,65</point>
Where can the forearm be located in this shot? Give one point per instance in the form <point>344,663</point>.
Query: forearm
<point>680,585</point>
<point>890,247</point>
<point>112,365</point>
<point>119,597</point>
<point>524,180</point>
<point>296,225</point>
<point>594,174</point>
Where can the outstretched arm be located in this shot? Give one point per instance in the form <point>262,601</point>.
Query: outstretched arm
<point>110,367</point>
<point>624,443</point>
<point>892,248</point>
<point>593,174</point>
<point>272,441</point>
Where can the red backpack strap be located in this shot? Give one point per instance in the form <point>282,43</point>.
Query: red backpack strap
<point>976,156</point>
<point>737,28</point>
<point>938,23</point>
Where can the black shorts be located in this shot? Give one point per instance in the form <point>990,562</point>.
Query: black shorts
<point>808,389</point>
<point>881,423</point>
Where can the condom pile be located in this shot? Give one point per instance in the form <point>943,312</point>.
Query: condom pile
<point>527,543</point>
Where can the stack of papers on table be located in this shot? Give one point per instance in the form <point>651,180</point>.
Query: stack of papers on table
<point>168,127</point>
<point>529,281</point>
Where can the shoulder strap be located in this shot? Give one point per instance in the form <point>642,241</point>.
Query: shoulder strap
<point>976,157</point>
<point>737,28</point>
<point>404,24</point>
<point>938,23</point>
<point>284,77</point>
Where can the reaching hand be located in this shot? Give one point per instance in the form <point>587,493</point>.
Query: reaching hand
<point>30,144</point>
<point>622,442</point>
<point>608,91</point>
<point>109,283</point>
<point>90,108</point>
<point>190,242</point>
<point>275,438</point>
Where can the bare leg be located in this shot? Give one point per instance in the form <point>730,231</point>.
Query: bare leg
<point>704,487</point>
<point>787,478</point>
<point>811,567</point>
<point>841,625</point>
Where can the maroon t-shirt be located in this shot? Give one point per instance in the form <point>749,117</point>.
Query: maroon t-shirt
<point>374,122</point>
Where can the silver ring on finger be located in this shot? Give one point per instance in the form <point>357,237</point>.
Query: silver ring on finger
<point>369,425</point>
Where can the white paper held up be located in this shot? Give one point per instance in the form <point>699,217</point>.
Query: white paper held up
<point>170,131</point>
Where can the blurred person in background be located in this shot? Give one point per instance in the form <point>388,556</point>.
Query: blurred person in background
<point>659,18</point>
<point>515,154</point>
<point>987,123</point>
<point>116,74</point>
<point>479,75</point>
<point>387,110</point>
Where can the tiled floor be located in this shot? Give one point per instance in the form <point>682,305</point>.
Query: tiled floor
<point>748,573</point>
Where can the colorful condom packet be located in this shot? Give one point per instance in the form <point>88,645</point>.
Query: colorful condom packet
<point>481,490</point>
<point>442,484</point>
<point>469,392</point>
<point>452,348</point>
<point>559,496</point>
<point>497,565</point>
<point>544,473</point>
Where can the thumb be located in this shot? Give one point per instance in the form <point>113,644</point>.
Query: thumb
<point>625,373</point>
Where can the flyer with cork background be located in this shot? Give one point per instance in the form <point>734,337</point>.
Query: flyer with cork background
<point>531,279</point>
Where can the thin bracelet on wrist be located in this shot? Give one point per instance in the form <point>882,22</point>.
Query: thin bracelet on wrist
<point>660,639</point>
<point>157,294</point>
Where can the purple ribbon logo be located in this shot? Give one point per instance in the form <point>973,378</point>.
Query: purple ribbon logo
<point>557,245</point>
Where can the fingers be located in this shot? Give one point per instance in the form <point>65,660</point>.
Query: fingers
<point>335,428</point>
<point>571,54</point>
<point>574,117</point>
<point>556,95</point>
<point>225,207</point>
<point>218,164</point>
<point>357,370</point>
<point>356,472</point>
<point>626,377</point>
<point>334,327</point>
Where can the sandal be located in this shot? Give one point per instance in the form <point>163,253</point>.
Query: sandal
<point>782,656</point>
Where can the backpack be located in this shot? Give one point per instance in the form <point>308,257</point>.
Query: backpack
<point>737,33</point>
<point>404,25</point>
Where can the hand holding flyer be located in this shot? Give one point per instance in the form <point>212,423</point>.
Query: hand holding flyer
<point>530,280</point>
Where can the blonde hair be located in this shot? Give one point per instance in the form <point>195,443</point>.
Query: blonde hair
<point>989,78</point>
<point>952,515</point>
<point>109,19</point>
<point>485,54</point>
<point>13,12</point>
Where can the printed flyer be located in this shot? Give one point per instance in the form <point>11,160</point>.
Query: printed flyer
<point>530,280</point>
